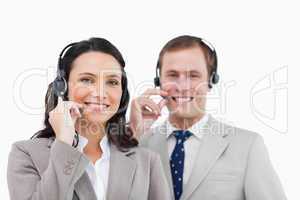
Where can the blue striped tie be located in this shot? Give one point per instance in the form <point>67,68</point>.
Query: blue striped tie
<point>177,161</point>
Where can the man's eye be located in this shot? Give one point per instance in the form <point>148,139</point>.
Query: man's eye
<point>172,75</point>
<point>113,82</point>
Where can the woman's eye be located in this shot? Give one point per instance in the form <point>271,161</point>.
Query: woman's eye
<point>86,80</point>
<point>113,82</point>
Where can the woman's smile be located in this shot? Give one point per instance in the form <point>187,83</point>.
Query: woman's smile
<point>96,106</point>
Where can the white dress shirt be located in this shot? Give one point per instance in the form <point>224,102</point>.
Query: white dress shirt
<point>99,172</point>
<point>191,145</point>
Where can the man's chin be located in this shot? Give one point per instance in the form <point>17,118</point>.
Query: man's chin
<point>186,111</point>
<point>186,114</point>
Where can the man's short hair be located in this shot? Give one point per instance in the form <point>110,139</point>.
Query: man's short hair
<point>186,42</point>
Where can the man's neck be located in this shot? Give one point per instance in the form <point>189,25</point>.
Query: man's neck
<point>184,123</point>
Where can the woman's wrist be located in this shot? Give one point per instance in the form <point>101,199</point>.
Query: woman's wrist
<point>66,138</point>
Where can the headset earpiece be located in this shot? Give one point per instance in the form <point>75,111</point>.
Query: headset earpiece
<point>215,78</point>
<point>156,82</point>
<point>157,79</point>
<point>60,86</point>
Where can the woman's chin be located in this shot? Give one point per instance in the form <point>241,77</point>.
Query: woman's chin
<point>96,118</point>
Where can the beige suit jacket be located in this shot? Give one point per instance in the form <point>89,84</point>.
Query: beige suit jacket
<point>48,169</point>
<point>231,164</point>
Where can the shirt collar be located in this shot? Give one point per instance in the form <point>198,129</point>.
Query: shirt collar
<point>196,129</point>
<point>104,144</point>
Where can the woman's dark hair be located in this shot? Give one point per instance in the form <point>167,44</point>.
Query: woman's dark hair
<point>117,131</point>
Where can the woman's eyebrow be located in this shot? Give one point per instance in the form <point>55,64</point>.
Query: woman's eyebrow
<point>114,75</point>
<point>87,73</point>
<point>118,75</point>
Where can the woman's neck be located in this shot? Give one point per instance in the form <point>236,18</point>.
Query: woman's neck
<point>94,133</point>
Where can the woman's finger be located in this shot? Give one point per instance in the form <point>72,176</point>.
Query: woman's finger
<point>74,111</point>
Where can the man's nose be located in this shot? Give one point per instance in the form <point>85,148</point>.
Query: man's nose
<point>184,83</point>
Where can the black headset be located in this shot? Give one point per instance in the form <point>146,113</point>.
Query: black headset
<point>214,76</point>
<point>60,85</point>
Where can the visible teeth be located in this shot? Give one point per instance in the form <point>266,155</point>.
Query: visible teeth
<point>182,99</point>
<point>101,106</point>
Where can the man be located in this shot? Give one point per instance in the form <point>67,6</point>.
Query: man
<point>202,157</point>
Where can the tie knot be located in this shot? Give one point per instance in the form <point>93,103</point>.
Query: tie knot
<point>182,135</point>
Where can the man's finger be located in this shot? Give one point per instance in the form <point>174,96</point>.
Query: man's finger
<point>150,104</point>
<point>162,103</point>
<point>154,91</point>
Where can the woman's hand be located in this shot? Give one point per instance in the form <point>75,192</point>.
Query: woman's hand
<point>62,119</point>
<point>144,111</point>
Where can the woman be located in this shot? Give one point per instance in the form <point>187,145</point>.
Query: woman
<point>104,161</point>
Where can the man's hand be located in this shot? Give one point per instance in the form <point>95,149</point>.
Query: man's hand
<point>144,111</point>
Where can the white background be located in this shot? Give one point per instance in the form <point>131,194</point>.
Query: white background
<point>257,44</point>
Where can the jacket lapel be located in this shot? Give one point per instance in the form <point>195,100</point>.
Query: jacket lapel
<point>84,189</point>
<point>83,186</point>
<point>121,173</point>
<point>212,147</point>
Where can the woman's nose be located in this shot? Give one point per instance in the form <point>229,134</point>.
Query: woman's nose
<point>99,90</point>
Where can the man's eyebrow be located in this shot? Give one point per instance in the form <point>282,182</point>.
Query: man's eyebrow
<point>188,72</point>
<point>194,72</point>
<point>171,71</point>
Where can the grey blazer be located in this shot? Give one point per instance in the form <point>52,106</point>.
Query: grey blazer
<point>232,164</point>
<point>48,169</point>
